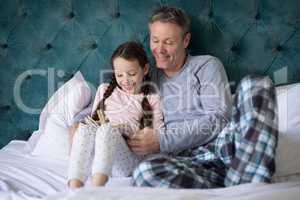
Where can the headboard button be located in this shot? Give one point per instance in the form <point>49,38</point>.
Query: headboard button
<point>49,46</point>
<point>234,48</point>
<point>279,48</point>
<point>257,16</point>
<point>94,46</point>
<point>71,15</point>
<point>4,46</point>
<point>24,15</point>
<point>117,14</point>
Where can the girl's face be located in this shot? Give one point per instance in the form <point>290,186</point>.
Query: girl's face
<point>129,74</point>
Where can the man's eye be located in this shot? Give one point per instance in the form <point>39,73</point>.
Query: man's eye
<point>169,42</point>
<point>132,74</point>
<point>155,41</point>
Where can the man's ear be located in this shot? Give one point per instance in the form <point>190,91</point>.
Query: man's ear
<point>146,69</point>
<point>186,40</point>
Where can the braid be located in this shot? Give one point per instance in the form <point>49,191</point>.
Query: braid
<point>101,105</point>
<point>147,119</point>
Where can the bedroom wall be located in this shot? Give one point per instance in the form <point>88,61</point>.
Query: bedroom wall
<point>44,42</point>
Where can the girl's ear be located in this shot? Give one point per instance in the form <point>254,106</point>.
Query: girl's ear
<point>146,69</point>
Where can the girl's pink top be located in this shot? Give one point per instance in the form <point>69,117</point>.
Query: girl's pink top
<point>124,108</point>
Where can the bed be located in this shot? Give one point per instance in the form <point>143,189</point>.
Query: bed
<point>37,168</point>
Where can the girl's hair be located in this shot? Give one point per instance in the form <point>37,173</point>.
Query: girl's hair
<point>130,51</point>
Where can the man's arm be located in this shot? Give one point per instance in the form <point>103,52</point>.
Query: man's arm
<point>214,98</point>
<point>174,140</point>
<point>191,133</point>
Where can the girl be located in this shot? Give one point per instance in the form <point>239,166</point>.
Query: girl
<point>121,107</point>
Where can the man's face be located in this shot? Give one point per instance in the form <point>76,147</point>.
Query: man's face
<point>168,46</point>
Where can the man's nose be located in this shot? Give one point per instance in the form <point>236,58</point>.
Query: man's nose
<point>161,48</point>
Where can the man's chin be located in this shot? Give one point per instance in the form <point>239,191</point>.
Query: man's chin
<point>162,65</point>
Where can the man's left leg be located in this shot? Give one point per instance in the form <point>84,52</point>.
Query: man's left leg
<point>254,132</point>
<point>179,172</point>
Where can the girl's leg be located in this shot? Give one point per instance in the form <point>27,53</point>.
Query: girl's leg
<point>112,156</point>
<point>104,154</point>
<point>125,160</point>
<point>83,144</point>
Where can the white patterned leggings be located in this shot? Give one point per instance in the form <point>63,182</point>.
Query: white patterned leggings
<point>112,156</point>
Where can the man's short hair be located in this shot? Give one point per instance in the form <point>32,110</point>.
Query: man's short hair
<point>172,15</point>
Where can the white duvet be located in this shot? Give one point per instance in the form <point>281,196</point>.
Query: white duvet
<point>23,176</point>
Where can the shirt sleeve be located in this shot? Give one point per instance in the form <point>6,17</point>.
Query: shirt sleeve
<point>215,99</point>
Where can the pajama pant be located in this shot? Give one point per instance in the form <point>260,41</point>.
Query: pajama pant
<point>112,156</point>
<point>243,152</point>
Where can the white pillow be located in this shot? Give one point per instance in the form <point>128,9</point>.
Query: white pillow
<point>58,115</point>
<point>288,150</point>
<point>68,100</point>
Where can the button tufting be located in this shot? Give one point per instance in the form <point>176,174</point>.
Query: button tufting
<point>94,46</point>
<point>71,75</point>
<point>257,16</point>
<point>4,46</point>
<point>71,15</point>
<point>117,14</point>
<point>28,77</point>
<point>24,15</point>
<point>5,107</point>
<point>210,14</point>
<point>279,48</point>
<point>234,48</point>
<point>49,46</point>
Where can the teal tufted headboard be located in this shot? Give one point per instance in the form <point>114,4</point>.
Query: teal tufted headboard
<point>43,42</point>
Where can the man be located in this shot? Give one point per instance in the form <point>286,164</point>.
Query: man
<point>197,105</point>
<point>195,93</point>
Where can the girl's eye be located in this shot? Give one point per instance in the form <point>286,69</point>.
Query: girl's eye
<point>119,75</point>
<point>132,74</point>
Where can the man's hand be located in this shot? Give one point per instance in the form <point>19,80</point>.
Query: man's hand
<point>144,142</point>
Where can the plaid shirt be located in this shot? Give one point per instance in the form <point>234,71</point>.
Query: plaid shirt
<point>243,152</point>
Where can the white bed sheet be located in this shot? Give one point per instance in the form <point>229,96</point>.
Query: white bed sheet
<point>253,191</point>
<point>24,176</point>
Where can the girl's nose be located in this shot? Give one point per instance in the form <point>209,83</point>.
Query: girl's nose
<point>127,79</point>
